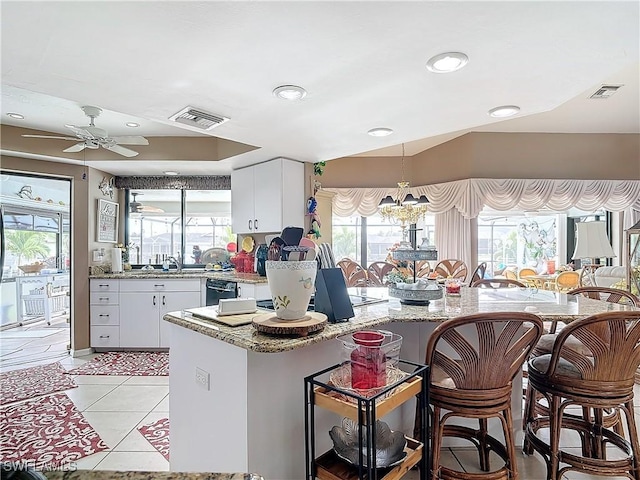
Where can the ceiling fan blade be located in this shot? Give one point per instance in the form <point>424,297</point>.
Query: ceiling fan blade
<point>126,152</point>
<point>78,147</point>
<point>80,131</point>
<point>131,140</point>
<point>50,136</point>
<point>150,209</point>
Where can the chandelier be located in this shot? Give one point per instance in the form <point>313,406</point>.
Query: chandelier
<point>404,209</point>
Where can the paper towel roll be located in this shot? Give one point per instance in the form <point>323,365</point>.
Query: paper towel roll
<point>116,260</point>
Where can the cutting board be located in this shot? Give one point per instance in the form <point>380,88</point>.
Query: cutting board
<point>310,323</point>
<point>211,313</point>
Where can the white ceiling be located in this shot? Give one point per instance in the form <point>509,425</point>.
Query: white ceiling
<point>362,63</point>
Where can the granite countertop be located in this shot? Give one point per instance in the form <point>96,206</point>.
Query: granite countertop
<point>550,306</point>
<point>186,273</point>
<point>115,475</point>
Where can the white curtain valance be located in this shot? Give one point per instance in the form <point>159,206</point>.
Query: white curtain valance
<point>470,196</point>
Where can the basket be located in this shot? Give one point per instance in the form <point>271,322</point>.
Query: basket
<point>34,304</point>
<point>34,268</point>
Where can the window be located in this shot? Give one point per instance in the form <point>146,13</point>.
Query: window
<point>369,239</point>
<point>155,227</point>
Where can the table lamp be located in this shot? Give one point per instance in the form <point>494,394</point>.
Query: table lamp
<point>592,243</point>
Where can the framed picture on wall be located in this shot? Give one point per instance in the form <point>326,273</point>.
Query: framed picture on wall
<point>107,221</point>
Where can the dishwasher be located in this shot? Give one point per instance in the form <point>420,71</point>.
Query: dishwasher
<point>217,289</point>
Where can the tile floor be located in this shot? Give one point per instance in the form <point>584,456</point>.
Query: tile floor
<point>116,405</point>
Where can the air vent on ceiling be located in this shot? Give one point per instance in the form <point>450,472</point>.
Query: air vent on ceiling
<point>197,118</point>
<point>605,91</point>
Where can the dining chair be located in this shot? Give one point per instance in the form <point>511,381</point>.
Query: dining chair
<point>523,273</point>
<point>510,274</point>
<point>498,283</point>
<point>451,268</point>
<point>478,273</point>
<point>594,372</point>
<point>473,361</point>
<point>566,281</point>
<point>354,274</point>
<point>376,272</point>
<point>422,268</point>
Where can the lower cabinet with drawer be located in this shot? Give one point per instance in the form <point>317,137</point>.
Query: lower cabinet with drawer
<point>128,313</point>
<point>104,313</point>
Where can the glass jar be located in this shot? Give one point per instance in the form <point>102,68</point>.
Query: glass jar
<point>368,361</point>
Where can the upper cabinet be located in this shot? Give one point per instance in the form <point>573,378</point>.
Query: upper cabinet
<point>268,196</point>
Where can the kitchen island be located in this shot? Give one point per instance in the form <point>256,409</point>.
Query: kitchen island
<point>237,396</point>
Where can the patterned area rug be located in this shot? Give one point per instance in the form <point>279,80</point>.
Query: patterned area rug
<point>126,363</point>
<point>157,434</point>
<point>33,382</point>
<point>46,433</point>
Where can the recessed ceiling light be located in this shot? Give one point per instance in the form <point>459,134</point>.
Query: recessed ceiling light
<point>380,132</point>
<point>447,62</point>
<point>504,111</point>
<point>290,92</point>
<point>170,172</point>
<point>16,116</point>
<point>132,124</point>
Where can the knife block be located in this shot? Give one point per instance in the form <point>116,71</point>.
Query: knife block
<point>332,297</point>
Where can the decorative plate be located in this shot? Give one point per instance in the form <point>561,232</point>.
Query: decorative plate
<point>247,244</point>
<point>389,445</point>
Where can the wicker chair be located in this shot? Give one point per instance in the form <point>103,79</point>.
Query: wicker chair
<point>566,281</point>
<point>377,271</point>
<point>510,274</point>
<point>475,381</point>
<point>423,268</point>
<point>597,377</point>
<point>498,283</point>
<point>354,274</point>
<point>478,273</point>
<point>452,268</point>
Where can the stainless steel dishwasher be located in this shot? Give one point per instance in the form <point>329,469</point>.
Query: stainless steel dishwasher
<point>217,289</point>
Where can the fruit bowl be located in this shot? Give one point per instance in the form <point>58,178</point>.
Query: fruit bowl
<point>389,445</point>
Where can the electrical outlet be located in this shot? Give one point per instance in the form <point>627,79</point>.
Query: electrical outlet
<point>97,255</point>
<point>202,378</point>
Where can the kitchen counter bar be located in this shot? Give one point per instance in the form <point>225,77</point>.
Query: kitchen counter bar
<point>116,475</point>
<point>237,396</point>
<point>551,306</point>
<point>185,273</point>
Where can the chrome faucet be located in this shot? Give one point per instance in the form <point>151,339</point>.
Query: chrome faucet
<point>175,261</point>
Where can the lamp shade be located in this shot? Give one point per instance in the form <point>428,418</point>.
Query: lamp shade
<point>387,201</point>
<point>592,241</point>
<point>409,200</point>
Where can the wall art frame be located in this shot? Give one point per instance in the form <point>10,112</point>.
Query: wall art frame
<point>107,221</point>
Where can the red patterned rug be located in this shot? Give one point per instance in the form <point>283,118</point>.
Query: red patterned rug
<point>157,434</point>
<point>126,363</point>
<point>33,382</point>
<point>46,433</point>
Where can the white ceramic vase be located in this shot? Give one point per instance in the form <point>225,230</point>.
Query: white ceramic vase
<point>291,284</point>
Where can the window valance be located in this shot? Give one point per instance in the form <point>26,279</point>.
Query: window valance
<point>471,195</point>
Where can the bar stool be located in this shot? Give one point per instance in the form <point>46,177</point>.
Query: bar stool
<point>475,381</point>
<point>598,376</point>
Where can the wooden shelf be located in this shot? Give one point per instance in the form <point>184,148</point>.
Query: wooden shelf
<point>335,402</point>
<point>331,467</point>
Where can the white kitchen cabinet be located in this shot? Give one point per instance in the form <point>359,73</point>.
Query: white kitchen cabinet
<point>259,291</point>
<point>104,313</point>
<point>268,196</point>
<point>143,303</point>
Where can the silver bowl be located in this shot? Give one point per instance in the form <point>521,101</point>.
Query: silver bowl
<point>389,445</point>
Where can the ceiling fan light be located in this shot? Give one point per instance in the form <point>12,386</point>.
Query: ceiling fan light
<point>409,200</point>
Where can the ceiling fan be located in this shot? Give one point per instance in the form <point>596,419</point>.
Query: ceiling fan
<point>137,207</point>
<point>93,137</point>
